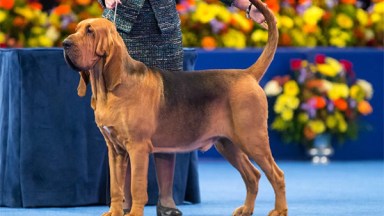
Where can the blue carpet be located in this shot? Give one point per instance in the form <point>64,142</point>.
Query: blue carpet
<point>339,188</point>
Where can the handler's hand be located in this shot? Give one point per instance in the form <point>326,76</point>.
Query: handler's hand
<point>255,14</point>
<point>110,4</point>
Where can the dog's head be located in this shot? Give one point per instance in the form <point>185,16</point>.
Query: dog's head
<point>94,40</point>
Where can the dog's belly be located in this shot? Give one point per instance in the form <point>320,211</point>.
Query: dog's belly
<point>202,145</point>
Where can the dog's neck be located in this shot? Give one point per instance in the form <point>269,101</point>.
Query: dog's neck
<point>111,71</point>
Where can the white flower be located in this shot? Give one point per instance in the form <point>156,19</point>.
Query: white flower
<point>366,86</point>
<point>272,88</point>
<point>52,33</point>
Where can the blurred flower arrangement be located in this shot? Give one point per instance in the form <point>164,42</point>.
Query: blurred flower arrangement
<point>210,24</point>
<point>320,97</point>
<point>23,23</point>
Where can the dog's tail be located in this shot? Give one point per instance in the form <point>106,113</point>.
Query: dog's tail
<point>259,68</point>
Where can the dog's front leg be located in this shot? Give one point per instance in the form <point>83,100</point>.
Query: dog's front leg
<point>117,171</point>
<point>139,158</point>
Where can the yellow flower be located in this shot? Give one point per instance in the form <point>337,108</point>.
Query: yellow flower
<point>303,117</point>
<point>362,16</point>
<point>286,22</point>
<point>234,39</point>
<point>33,42</point>
<point>44,41</point>
<point>259,36</point>
<point>331,121</point>
<point>223,14</point>
<point>366,86</point>
<point>242,22</point>
<point>286,102</point>
<point>279,124</point>
<point>317,126</point>
<point>338,90</point>
<point>331,67</point>
<point>334,64</point>
<point>379,7</point>
<point>298,37</point>
<point>291,88</point>
<point>204,12</point>
<point>327,70</point>
<point>37,30</point>
<point>3,16</point>
<point>2,37</point>
<point>357,93</point>
<point>337,41</point>
<point>344,21</point>
<point>54,19</point>
<point>25,12</point>
<point>343,126</point>
<point>294,103</point>
<point>312,15</point>
<point>42,18</point>
<point>338,37</point>
<point>278,107</point>
<point>334,31</point>
<point>280,103</point>
<point>287,115</point>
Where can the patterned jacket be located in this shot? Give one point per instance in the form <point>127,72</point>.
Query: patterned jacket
<point>167,18</point>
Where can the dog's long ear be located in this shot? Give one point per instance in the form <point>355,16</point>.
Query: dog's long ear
<point>83,82</point>
<point>103,40</point>
<point>110,46</point>
<point>115,61</point>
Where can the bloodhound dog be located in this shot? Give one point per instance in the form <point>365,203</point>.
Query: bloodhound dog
<point>142,110</point>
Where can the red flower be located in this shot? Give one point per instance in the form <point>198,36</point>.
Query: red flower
<point>282,79</point>
<point>346,64</point>
<point>295,64</point>
<point>320,102</point>
<point>320,59</point>
<point>7,4</point>
<point>348,68</point>
<point>341,104</point>
<point>36,5</point>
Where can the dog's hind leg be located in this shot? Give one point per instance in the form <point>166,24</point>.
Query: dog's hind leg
<point>248,172</point>
<point>250,114</point>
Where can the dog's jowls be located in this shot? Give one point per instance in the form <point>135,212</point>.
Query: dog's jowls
<point>141,110</point>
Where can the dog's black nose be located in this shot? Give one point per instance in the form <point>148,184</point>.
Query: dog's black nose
<point>67,43</point>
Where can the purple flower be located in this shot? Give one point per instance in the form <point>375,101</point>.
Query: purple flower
<point>217,26</point>
<point>309,107</point>
<point>302,76</point>
<point>352,103</point>
<point>330,107</point>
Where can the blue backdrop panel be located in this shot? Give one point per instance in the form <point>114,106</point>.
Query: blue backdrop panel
<point>51,152</point>
<point>368,64</point>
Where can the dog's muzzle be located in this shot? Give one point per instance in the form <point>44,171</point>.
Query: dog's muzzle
<point>68,53</point>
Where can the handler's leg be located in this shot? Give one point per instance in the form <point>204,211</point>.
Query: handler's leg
<point>165,169</point>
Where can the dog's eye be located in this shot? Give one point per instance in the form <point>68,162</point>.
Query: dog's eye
<point>89,30</point>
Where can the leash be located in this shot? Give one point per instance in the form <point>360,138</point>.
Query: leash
<point>114,16</point>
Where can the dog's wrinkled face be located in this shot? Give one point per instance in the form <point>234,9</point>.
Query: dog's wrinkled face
<point>88,44</point>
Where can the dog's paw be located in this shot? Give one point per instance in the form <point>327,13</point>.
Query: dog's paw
<point>278,213</point>
<point>134,214</point>
<point>242,211</point>
<point>113,213</point>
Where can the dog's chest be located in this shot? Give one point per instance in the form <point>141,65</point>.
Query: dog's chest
<point>114,139</point>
